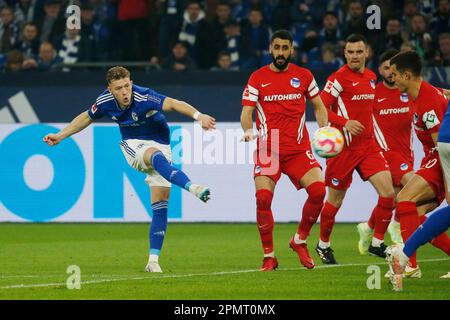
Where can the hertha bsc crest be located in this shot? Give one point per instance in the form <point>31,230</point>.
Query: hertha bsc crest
<point>295,82</point>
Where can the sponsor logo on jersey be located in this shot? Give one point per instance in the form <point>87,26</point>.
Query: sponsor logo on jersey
<point>404,166</point>
<point>283,97</point>
<point>372,84</point>
<point>404,97</point>
<point>335,182</point>
<point>430,119</point>
<point>257,169</point>
<point>363,96</point>
<point>394,111</point>
<point>134,116</point>
<point>295,82</point>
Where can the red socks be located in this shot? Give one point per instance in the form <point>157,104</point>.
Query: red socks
<point>327,219</point>
<point>264,218</point>
<point>409,222</point>
<point>383,215</point>
<point>311,208</point>
<point>442,241</point>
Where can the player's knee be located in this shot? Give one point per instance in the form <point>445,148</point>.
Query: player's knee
<point>336,199</point>
<point>148,155</point>
<point>264,199</point>
<point>316,192</point>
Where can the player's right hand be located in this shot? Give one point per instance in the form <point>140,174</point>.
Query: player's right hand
<point>52,139</point>
<point>249,135</point>
<point>354,127</point>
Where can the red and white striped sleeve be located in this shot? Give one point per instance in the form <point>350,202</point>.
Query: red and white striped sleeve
<point>313,89</point>
<point>331,92</point>
<point>251,93</point>
<point>329,95</point>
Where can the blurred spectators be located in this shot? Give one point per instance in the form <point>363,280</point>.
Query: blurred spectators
<point>409,10</point>
<point>14,61</point>
<point>219,34</point>
<point>420,37</point>
<point>211,37</point>
<point>330,31</point>
<point>442,57</point>
<point>52,24</point>
<point>9,31</point>
<point>257,33</point>
<point>355,22</point>
<point>281,15</point>
<point>407,46</point>
<point>224,63</point>
<point>134,32</point>
<point>47,59</point>
<point>440,23</point>
<point>171,16</point>
<point>25,11</point>
<point>393,38</point>
<point>329,62</point>
<point>29,43</point>
<point>179,60</point>
<point>192,18</point>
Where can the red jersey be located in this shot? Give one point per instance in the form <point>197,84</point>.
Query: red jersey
<point>429,109</point>
<point>351,94</point>
<point>392,112</point>
<point>280,100</point>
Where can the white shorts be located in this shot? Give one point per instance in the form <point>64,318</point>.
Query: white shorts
<point>134,149</point>
<point>444,156</point>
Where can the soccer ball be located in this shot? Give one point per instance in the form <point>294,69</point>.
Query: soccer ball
<point>327,142</point>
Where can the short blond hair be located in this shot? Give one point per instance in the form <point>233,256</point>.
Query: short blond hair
<point>117,73</point>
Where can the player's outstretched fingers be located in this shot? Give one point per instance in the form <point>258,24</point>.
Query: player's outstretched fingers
<point>355,127</point>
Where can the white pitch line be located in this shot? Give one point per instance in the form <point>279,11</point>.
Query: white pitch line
<point>219,273</point>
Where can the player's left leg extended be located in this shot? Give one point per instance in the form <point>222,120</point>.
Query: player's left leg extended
<point>382,182</point>
<point>156,159</point>
<point>313,183</point>
<point>159,199</point>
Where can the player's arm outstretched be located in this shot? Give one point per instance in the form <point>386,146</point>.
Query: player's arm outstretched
<point>207,122</point>
<point>76,125</point>
<point>247,123</point>
<point>320,111</point>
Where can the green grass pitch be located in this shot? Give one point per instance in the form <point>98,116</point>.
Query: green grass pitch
<point>200,261</point>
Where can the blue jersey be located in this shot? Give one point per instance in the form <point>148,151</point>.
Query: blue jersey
<point>444,130</point>
<point>142,119</point>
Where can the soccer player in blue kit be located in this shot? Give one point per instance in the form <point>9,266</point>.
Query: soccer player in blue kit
<point>145,143</point>
<point>438,222</point>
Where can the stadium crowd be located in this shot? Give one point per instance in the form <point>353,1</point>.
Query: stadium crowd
<point>216,35</point>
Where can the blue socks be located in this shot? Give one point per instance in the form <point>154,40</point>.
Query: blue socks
<point>158,227</point>
<point>437,223</point>
<point>169,172</point>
